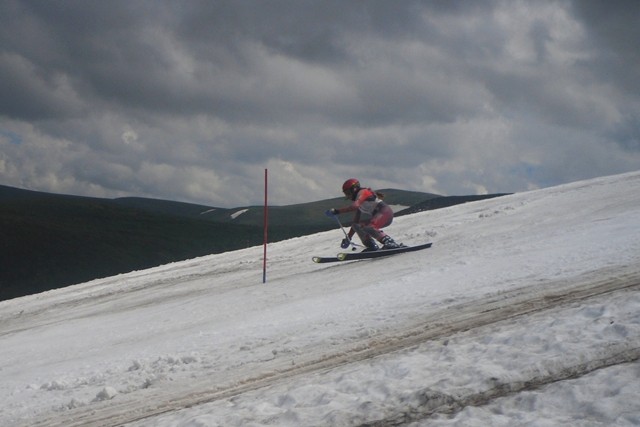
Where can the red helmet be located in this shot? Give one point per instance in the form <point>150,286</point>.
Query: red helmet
<point>350,187</point>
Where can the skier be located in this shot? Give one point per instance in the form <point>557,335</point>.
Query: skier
<point>369,202</point>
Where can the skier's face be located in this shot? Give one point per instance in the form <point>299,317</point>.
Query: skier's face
<point>350,193</point>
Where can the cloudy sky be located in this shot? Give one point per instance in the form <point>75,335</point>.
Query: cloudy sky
<point>193,100</point>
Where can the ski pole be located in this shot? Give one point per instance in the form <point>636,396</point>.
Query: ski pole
<point>346,236</point>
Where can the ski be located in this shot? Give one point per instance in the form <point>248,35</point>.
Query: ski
<point>345,256</point>
<point>349,256</point>
<point>323,259</point>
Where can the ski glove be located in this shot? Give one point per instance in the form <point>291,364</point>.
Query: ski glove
<point>345,243</point>
<point>331,212</point>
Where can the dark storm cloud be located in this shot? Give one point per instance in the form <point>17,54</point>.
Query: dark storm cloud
<point>614,31</point>
<point>178,99</point>
<point>200,57</point>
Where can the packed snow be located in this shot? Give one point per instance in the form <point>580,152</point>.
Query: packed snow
<point>526,311</point>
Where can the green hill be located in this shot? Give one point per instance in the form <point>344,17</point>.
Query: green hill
<point>51,241</point>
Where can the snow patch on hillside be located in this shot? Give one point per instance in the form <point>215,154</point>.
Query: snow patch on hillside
<point>398,208</point>
<point>238,213</point>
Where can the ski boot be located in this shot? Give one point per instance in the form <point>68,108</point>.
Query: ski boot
<point>389,243</point>
<point>370,245</point>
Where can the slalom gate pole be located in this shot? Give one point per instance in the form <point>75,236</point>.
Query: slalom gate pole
<point>266,227</point>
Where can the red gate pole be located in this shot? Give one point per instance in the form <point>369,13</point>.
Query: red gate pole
<point>266,226</point>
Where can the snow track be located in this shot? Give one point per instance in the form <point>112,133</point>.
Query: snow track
<point>437,326</point>
<point>518,296</point>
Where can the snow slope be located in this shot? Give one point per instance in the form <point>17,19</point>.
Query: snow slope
<point>526,311</point>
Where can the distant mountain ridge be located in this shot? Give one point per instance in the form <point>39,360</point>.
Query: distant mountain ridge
<point>298,214</point>
<point>52,240</point>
